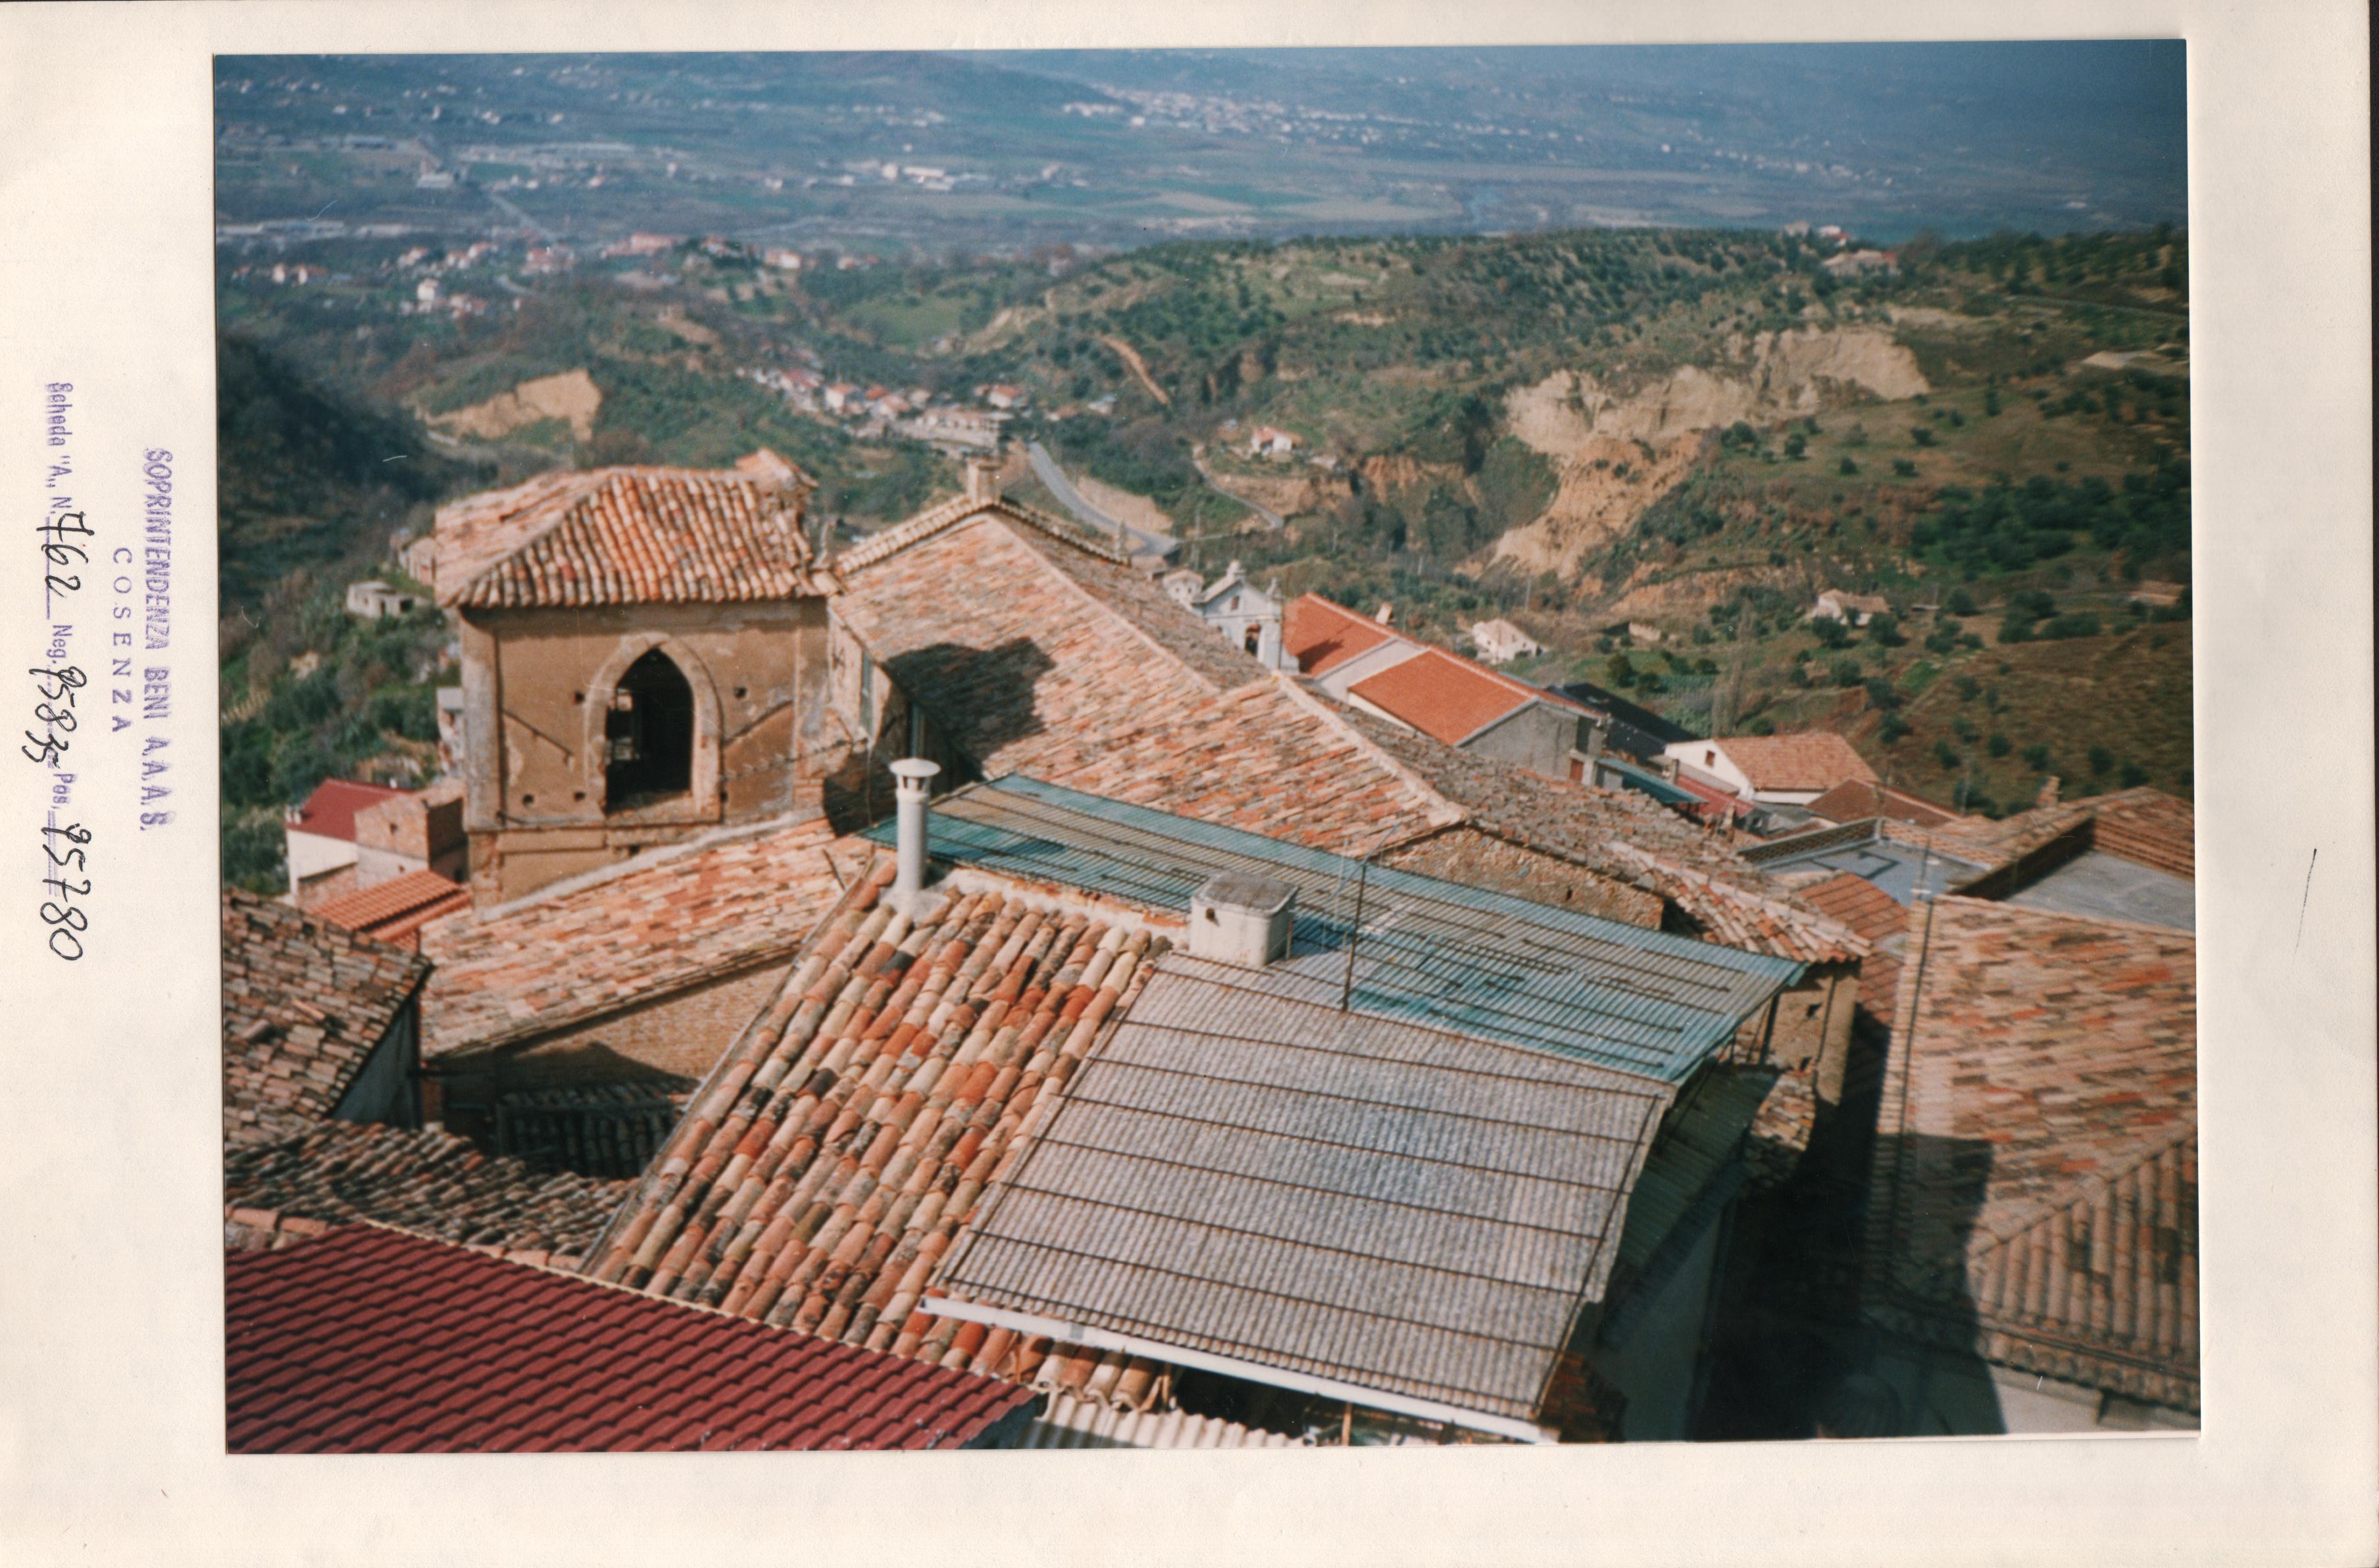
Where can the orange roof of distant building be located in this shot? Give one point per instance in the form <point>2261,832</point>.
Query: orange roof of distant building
<point>1322,636</point>
<point>1448,698</point>
<point>627,536</point>
<point>1813,759</point>
<point>329,811</point>
<point>391,910</point>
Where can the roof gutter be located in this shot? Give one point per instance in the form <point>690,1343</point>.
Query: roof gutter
<point>1231,1366</point>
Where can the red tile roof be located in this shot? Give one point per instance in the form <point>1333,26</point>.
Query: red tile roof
<point>645,928</point>
<point>2034,1190</point>
<point>1322,636</point>
<point>1813,759</point>
<point>329,811</point>
<point>374,1341</point>
<point>627,536</point>
<point>1036,657</point>
<point>424,1179</point>
<point>304,1005</point>
<point>393,911</point>
<point>1440,696</point>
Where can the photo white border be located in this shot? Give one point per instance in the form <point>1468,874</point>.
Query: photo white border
<point>111,1415</point>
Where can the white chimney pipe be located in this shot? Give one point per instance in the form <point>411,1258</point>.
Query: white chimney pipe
<point>914,775</point>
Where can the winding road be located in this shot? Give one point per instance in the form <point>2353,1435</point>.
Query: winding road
<point>1271,520</point>
<point>1142,542</point>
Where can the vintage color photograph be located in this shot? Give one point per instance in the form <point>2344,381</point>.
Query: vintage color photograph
<point>1206,749</point>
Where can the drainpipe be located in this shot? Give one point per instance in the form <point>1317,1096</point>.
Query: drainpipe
<point>915,776</point>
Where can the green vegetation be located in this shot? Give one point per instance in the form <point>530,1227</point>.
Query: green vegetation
<point>314,693</point>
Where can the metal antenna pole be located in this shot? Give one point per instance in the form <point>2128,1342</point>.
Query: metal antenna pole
<point>1347,989</point>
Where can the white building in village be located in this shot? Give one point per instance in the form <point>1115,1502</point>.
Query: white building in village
<point>1500,642</point>
<point>1241,613</point>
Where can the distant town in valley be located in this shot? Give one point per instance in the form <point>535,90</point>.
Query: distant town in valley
<point>1208,749</point>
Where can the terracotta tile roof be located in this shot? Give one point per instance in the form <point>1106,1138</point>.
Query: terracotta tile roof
<point>627,536</point>
<point>1322,636</point>
<point>1028,666</point>
<point>1733,915</point>
<point>329,811</point>
<point>1440,696</point>
<point>395,910</point>
<point>973,619</point>
<point>426,1181</point>
<point>2035,1189</point>
<point>1859,904</point>
<point>374,1341</point>
<point>1856,800</point>
<point>304,1004</point>
<point>664,920</point>
<point>1813,759</point>
<point>1622,834</point>
<point>827,1164</point>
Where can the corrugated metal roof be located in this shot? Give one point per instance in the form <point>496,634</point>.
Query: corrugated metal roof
<point>1246,1173</point>
<point>1463,959</point>
<point>1074,1422</point>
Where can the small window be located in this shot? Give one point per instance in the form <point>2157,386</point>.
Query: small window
<point>1254,639</point>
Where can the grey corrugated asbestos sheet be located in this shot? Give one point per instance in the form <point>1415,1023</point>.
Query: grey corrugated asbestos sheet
<point>1427,951</point>
<point>1250,1175</point>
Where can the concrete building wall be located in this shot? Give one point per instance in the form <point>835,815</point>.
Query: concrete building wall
<point>536,685</point>
<point>680,1034</point>
<point>1713,763</point>
<point>1481,859</point>
<point>387,1087</point>
<point>309,855</point>
<point>1658,1364</point>
<point>1540,737</point>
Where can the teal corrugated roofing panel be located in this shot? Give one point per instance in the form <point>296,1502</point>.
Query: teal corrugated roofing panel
<point>1429,951</point>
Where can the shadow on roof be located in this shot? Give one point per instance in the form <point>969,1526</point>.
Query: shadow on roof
<point>986,695</point>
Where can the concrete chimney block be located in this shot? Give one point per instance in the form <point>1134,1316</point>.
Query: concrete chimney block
<point>913,779</point>
<point>1239,918</point>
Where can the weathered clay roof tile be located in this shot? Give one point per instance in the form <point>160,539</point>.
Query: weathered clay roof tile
<point>627,536</point>
<point>664,920</point>
<point>2035,1189</point>
<point>426,1181</point>
<point>304,1004</point>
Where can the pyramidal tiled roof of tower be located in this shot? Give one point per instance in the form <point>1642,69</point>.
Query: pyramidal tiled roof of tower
<point>628,535</point>
<point>1035,651</point>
